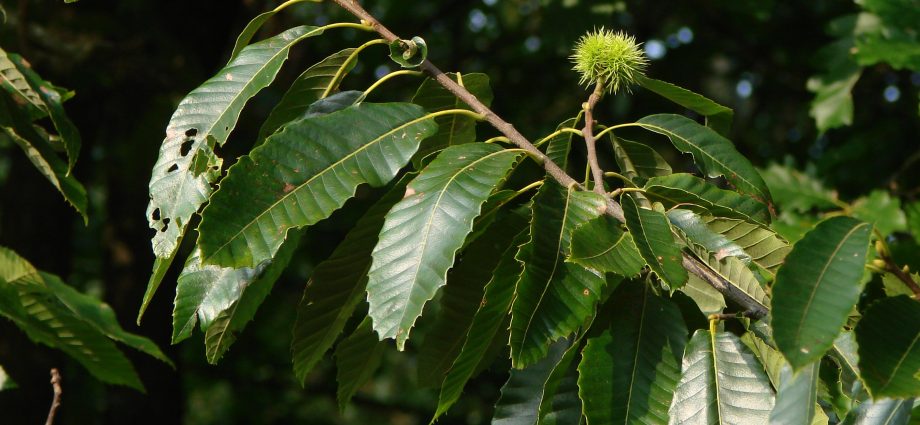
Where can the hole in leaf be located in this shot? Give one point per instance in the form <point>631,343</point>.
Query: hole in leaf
<point>186,147</point>
<point>174,167</point>
<point>165,225</point>
<point>156,215</point>
<point>191,132</point>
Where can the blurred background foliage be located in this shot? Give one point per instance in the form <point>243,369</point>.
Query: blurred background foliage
<point>131,61</point>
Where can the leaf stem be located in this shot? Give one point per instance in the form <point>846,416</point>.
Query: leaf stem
<point>692,264</point>
<point>622,190</point>
<point>619,176</point>
<point>464,112</point>
<point>556,133</point>
<point>614,127</point>
<point>282,6</point>
<point>498,139</point>
<point>340,73</point>
<point>387,77</point>
<point>524,189</point>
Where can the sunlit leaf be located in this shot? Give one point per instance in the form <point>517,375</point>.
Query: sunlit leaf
<point>880,412</point>
<point>718,117</point>
<point>652,234</point>
<point>691,192</point>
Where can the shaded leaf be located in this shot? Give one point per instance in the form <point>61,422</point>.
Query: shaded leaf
<point>523,393</point>
<point>453,129</point>
<point>553,298</point>
<point>302,174</point>
<point>629,372</point>
<point>638,159</point>
<point>423,232</point>
<point>337,286</point>
<point>798,191</point>
<point>652,234</point>
<point>714,154</point>
<point>797,396</point>
<point>721,383</point>
<point>683,189</point>
<point>356,359</point>
<point>888,337</point>
<point>718,117</point>
<point>817,287</point>
<point>6,383</point>
<point>601,244</point>
<point>561,404</point>
<point>559,147</point>
<point>880,412</point>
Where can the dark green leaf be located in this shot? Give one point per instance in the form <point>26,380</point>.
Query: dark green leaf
<point>721,383</point>
<point>337,286</point>
<point>714,154</point>
<point>718,117</point>
<point>453,129</point>
<point>553,298</point>
<point>601,244</point>
<point>889,347</point>
<point>523,394</point>
<point>302,174</point>
<point>559,147</point>
<point>316,83</point>
<point>629,372</point>
<point>817,287</point>
<point>639,160</point>
<point>683,189</point>
<point>423,232</point>
<point>356,359</point>
<point>561,404</point>
<point>652,234</point>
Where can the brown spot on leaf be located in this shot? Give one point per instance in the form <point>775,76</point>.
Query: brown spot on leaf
<point>409,192</point>
<point>586,292</point>
<point>288,188</point>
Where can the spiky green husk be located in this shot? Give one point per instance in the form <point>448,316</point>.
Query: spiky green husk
<point>612,58</point>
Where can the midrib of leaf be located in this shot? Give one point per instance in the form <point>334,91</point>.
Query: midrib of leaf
<point>703,152</point>
<point>897,366</point>
<point>814,289</point>
<point>612,247</point>
<point>322,172</point>
<point>715,369</point>
<point>436,207</point>
<point>339,74</point>
<point>565,214</point>
<point>635,365</point>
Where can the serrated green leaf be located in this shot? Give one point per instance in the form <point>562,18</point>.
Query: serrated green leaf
<point>523,393</point>
<point>553,298</point>
<point>492,312</point>
<point>718,117</point>
<point>770,358</point>
<point>601,244</point>
<point>16,84</point>
<point>28,302</point>
<point>453,129</point>
<point>708,299</point>
<point>882,210</point>
<point>721,383</point>
<point>462,297</point>
<point>356,359</point>
<point>797,396</point>
<point>302,174</point>
<point>693,228</point>
<point>317,82</point>
<point>338,285</point>
<point>817,287</point>
<point>652,234</point>
<point>629,372</point>
<point>687,191</point>
<point>229,322</point>
<point>203,292</point>
<point>795,190</point>
<point>880,412</point>
<point>714,154</point>
<point>638,160</point>
<point>423,232</point>
<point>831,384</point>
<point>765,247</point>
<point>561,404</point>
<point>888,336</point>
<point>187,164</point>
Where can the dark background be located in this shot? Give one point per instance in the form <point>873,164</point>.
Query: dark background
<point>131,61</point>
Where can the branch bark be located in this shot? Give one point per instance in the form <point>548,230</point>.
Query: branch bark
<point>590,142</point>
<point>56,401</point>
<point>691,263</point>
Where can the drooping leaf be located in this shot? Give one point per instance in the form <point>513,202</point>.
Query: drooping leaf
<point>16,84</point>
<point>187,165</point>
<point>629,372</point>
<point>255,24</point>
<point>229,322</point>
<point>765,247</point>
<point>886,411</point>
<point>601,244</point>
<point>714,154</point>
<point>707,298</point>
<point>302,174</point>
<point>652,234</point>
<point>817,287</point>
<point>888,337</point>
<point>718,117</point>
<point>882,210</point>
<point>356,359</point>
<point>317,82</point>
<point>494,308</point>
<point>794,190</point>
<point>721,383</point>
<point>452,129</point>
<point>559,147</point>
<point>770,358</point>
<point>561,404</point>
<point>553,298</point>
<point>54,106</point>
<point>693,228</point>
<point>831,386</point>
<point>338,285</point>
<point>687,191</point>
<point>797,396</point>
<point>423,232</point>
<point>523,393</point>
<point>203,292</point>
<point>27,300</point>
<point>463,296</point>
<point>638,159</point>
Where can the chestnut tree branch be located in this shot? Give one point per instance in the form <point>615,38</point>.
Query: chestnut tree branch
<point>56,401</point>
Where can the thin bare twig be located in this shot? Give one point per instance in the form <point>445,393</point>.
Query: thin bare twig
<point>691,263</point>
<point>56,401</point>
